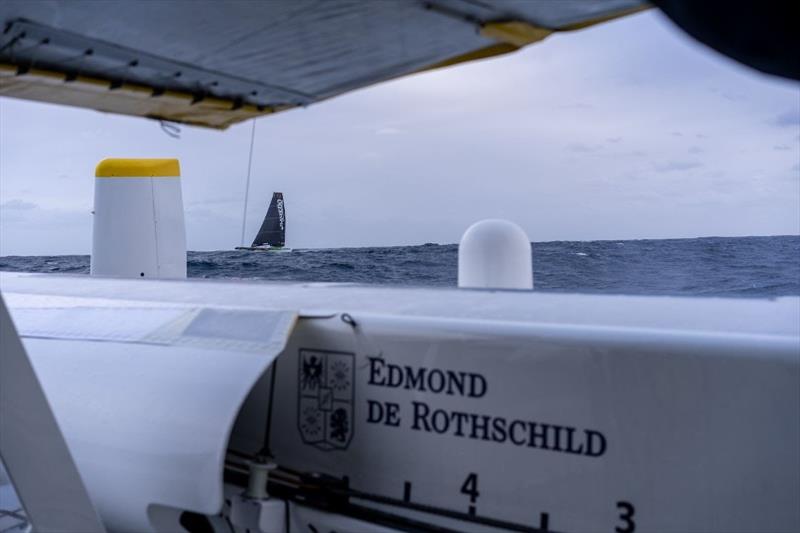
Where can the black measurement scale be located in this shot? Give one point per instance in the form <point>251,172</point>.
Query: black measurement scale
<point>335,495</point>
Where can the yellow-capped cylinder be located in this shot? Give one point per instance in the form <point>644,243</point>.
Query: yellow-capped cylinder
<point>139,229</point>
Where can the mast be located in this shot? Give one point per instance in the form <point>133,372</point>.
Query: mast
<point>247,185</point>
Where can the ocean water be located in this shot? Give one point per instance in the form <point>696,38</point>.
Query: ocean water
<point>738,266</point>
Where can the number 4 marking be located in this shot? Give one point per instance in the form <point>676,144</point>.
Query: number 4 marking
<point>470,487</point>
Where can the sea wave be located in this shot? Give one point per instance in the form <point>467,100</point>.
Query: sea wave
<point>736,266</point>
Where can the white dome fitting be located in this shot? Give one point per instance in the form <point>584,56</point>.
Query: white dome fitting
<point>139,229</point>
<point>495,254</point>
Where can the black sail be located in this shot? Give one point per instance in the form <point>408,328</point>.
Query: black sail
<point>273,229</point>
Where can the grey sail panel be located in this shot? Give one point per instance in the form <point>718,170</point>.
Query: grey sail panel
<point>273,229</point>
<point>239,60</point>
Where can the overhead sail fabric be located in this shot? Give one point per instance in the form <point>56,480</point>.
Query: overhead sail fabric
<point>273,229</point>
<point>217,63</point>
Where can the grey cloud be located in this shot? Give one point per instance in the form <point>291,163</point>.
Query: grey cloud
<point>728,95</point>
<point>216,201</point>
<point>613,139</point>
<point>734,97</point>
<point>576,106</point>
<point>671,166</point>
<point>781,147</point>
<point>582,148</point>
<point>677,134</point>
<point>695,150</point>
<point>209,214</point>
<point>18,205</point>
<point>790,117</point>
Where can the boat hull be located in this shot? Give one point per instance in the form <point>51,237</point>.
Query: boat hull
<point>258,249</point>
<point>461,409</point>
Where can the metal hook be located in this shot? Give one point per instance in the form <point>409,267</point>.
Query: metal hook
<point>170,129</point>
<point>349,320</point>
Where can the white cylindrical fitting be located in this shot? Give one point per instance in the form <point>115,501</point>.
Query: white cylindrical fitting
<point>139,229</point>
<point>257,482</point>
<point>495,254</point>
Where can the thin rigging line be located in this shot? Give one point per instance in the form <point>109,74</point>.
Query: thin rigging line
<point>247,185</point>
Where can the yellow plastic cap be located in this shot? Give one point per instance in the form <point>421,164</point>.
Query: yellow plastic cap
<point>138,168</point>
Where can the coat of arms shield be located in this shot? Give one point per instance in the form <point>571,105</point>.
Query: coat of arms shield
<point>326,393</point>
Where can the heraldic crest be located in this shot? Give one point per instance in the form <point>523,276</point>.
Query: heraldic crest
<point>325,388</point>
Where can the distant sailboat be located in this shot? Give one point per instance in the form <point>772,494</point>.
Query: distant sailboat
<point>271,236</point>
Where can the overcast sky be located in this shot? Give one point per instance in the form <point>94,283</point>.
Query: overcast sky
<point>626,130</point>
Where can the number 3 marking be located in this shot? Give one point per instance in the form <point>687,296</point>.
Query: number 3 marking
<point>626,515</point>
